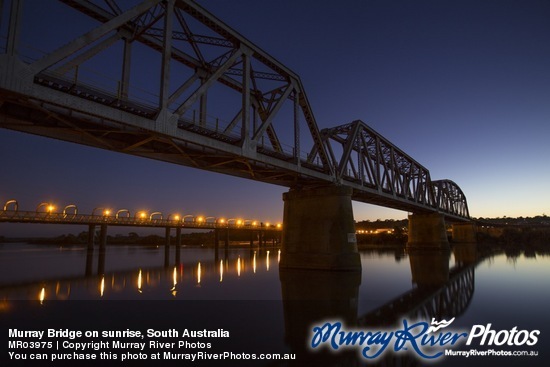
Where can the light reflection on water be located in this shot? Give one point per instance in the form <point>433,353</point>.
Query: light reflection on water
<point>504,291</point>
<point>138,272</point>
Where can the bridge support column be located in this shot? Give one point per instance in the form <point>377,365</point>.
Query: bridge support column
<point>226,252</point>
<point>102,249</point>
<point>318,230</point>
<point>464,232</point>
<point>427,231</point>
<point>216,245</point>
<point>90,249</point>
<point>167,247</point>
<point>178,245</point>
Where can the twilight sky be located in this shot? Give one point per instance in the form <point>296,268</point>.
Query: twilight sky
<point>461,86</point>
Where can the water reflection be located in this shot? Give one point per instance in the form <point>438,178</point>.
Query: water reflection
<point>430,285</point>
<point>310,297</point>
<point>147,281</point>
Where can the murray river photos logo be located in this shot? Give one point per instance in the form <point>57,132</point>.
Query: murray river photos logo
<point>428,341</point>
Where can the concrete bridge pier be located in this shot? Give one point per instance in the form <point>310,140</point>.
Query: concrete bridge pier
<point>102,249</point>
<point>226,247</point>
<point>427,231</point>
<point>90,249</point>
<point>216,245</point>
<point>167,247</point>
<point>318,230</point>
<point>178,245</point>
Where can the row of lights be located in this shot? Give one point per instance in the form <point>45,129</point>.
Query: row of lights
<point>142,215</point>
<point>364,231</point>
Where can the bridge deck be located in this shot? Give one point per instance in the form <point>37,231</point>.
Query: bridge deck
<point>87,219</point>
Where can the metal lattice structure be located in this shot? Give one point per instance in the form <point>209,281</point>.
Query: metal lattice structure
<point>443,303</point>
<point>374,166</point>
<point>183,87</point>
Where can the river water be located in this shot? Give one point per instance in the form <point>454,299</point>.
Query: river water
<point>243,292</point>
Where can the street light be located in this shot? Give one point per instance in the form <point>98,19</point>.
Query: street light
<point>176,217</point>
<point>141,215</point>
<point>48,208</point>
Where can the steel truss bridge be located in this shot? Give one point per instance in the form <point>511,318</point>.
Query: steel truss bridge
<point>183,87</point>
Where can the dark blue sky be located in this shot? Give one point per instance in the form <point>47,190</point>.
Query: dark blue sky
<point>461,86</point>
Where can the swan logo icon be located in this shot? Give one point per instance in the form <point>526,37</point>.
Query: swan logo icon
<point>435,326</point>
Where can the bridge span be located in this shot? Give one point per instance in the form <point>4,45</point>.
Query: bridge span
<point>216,102</point>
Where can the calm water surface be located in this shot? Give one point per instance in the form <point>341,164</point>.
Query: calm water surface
<point>276,309</point>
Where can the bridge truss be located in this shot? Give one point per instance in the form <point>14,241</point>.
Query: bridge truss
<point>424,303</point>
<point>183,87</point>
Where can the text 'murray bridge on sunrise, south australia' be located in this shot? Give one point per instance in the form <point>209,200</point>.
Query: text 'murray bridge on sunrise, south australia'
<point>212,100</point>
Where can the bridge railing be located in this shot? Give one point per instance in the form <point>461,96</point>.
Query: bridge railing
<point>17,216</point>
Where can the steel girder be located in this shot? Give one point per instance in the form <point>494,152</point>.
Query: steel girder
<point>363,157</point>
<point>178,125</point>
<point>450,198</point>
<point>199,58</point>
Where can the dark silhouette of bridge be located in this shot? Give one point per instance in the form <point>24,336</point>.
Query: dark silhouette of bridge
<point>267,132</point>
